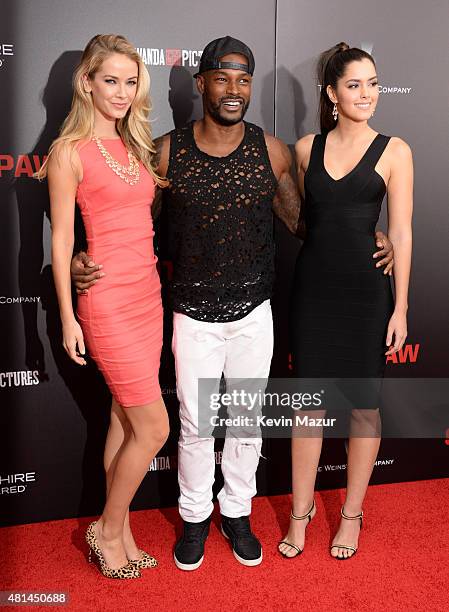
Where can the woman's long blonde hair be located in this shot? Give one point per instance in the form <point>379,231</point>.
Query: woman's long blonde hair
<point>134,128</point>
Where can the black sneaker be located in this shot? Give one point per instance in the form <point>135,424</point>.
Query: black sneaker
<point>189,549</point>
<point>245,546</point>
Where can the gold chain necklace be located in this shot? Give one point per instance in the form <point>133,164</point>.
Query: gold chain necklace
<point>130,174</point>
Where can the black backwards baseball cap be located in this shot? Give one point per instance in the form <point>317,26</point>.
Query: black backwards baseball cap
<point>210,59</point>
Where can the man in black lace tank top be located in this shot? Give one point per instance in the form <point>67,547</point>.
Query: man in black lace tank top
<point>227,177</point>
<point>224,174</point>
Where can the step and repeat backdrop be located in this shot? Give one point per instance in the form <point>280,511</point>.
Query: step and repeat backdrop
<point>54,415</point>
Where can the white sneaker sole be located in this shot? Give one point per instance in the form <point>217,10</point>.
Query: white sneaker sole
<point>187,567</point>
<point>247,562</point>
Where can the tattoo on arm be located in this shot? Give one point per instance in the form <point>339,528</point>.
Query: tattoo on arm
<point>287,202</point>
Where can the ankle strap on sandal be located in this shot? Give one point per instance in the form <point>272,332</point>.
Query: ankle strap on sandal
<point>304,516</point>
<point>352,518</point>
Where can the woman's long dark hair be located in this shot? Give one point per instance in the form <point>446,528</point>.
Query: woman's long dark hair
<point>331,67</point>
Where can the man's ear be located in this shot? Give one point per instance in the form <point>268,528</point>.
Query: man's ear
<point>200,83</point>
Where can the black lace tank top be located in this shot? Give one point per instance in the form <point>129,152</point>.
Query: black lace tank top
<point>220,227</point>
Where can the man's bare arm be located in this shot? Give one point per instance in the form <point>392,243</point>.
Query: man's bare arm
<point>286,202</point>
<point>160,164</point>
<point>161,157</point>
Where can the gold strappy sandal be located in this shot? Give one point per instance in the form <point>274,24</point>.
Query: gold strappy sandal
<point>297,518</point>
<point>345,546</point>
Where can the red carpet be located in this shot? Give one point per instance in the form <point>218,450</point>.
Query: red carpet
<point>402,562</point>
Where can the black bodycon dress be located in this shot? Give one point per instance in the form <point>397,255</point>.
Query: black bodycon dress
<point>341,302</point>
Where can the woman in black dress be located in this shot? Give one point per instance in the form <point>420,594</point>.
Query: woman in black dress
<point>344,318</point>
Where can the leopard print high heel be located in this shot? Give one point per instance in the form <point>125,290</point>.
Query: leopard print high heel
<point>145,562</point>
<point>125,572</point>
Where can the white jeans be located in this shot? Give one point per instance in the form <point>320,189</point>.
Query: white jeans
<point>239,349</point>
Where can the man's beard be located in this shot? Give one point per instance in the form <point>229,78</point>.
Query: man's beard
<point>214,112</point>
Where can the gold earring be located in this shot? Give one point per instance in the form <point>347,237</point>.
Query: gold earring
<point>335,112</point>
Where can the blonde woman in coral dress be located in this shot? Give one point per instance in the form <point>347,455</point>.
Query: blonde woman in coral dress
<point>103,160</point>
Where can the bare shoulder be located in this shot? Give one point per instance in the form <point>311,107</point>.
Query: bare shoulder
<point>276,146</point>
<point>279,154</point>
<point>65,158</point>
<point>303,148</point>
<point>399,157</point>
<point>399,148</point>
<point>64,152</point>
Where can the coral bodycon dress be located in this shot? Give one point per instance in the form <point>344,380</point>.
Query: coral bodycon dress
<point>121,315</point>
